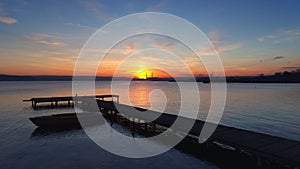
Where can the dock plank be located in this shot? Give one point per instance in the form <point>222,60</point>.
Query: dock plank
<point>35,100</point>
<point>292,153</point>
<point>258,144</point>
<point>253,142</point>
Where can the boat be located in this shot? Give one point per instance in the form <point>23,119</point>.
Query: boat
<point>68,120</point>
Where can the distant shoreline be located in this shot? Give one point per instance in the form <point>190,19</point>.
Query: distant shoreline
<point>290,78</point>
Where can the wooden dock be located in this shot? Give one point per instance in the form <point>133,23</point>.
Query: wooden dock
<point>67,99</point>
<point>262,146</point>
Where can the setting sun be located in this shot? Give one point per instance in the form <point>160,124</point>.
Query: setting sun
<point>142,74</point>
<point>151,73</point>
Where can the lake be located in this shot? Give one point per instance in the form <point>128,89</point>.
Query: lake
<point>266,108</point>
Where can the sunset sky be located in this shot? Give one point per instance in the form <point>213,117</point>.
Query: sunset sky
<point>251,37</point>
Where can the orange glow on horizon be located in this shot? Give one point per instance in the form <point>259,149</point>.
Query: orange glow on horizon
<point>108,69</point>
<point>151,73</point>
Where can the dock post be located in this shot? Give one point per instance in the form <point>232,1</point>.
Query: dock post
<point>207,145</point>
<point>133,129</point>
<point>258,160</point>
<point>34,107</point>
<point>76,100</point>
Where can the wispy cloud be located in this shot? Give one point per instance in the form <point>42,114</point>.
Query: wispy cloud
<point>53,43</point>
<point>144,42</point>
<point>5,13</point>
<point>29,61</point>
<point>229,47</point>
<point>160,6</point>
<point>166,43</point>
<point>281,36</point>
<point>47,39</point>
<point>294,32</point>
<point>261,39</point>
<point>7,20</point>
<point>81,26</point>
<point>209,51</point>
<point>272,59</point>
<point>96,9</point>
<point>290,67</point>
<point>128,49</point>
<point>92,6</point>
<point>215,36</point>
<point>41,36</point>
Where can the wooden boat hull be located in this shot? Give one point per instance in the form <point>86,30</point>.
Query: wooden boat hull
<point>69,120</point>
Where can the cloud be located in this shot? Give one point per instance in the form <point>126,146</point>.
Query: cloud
<point>128,49</point>
<point>166,43</point>
<point>80,26</point>
<point>54,43</point>
<point>7,20</point>
<point>210,51</point>
<point>229,47</point>
<point>292,32</point>
<point>215,36</point>
<point>281,36</point>
<point>261,39</point>
<point>278,57</point>
<point>290,67</point>
<point>272,59</point>
<point>160,6</point>
<point>92,6</point>
<point>41,36</point>
<point>46,39</point>
<point>97,9</point>
<point>267,38</point>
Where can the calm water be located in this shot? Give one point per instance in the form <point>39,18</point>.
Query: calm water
<point>265,108</point>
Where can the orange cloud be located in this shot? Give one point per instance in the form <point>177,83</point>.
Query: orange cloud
<point>128,49</point>
<point>209,51</point>
<point>55,43</point>
<point>47,39</point>
<point>7,20</point>
<point>215,37</point>
<point>40,36</point>
<point>229,47</point>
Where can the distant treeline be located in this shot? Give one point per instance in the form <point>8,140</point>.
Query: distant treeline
<point>265,79</point>
<point>49,78</point>
<point>279,77</point>
<point>285,77</point>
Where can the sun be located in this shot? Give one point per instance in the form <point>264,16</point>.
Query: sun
<point>142,74</point>
<point>151,74</point>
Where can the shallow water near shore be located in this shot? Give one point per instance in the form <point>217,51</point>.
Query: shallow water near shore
<point>266,108</point>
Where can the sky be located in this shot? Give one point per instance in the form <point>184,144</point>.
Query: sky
<point>251,37</point>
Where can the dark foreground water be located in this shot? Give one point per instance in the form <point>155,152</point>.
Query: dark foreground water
<point>267,108</point>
